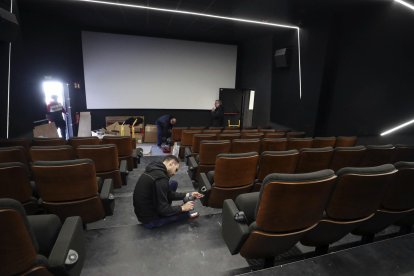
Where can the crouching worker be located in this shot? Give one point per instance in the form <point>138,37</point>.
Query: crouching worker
<point>154,193</point>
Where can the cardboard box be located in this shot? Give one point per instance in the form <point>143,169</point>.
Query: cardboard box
<point>150,134</point>
<point>46,130</point>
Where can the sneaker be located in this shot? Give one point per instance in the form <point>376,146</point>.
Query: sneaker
<point>193,215</point>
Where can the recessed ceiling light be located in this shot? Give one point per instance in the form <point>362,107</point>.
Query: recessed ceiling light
<point>397,128</point>
<point>243,20</point>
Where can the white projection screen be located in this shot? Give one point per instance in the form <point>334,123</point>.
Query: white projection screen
<point>134,72</point>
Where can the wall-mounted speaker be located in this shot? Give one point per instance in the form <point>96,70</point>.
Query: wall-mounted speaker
<point>8,25</point>
<point>282,57</point>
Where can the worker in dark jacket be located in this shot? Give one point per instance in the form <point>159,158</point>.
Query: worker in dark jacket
<point>164,126</point>
<point>154,193</point>
<point>217,115</point>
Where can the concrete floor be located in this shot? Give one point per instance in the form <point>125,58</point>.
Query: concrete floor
<point>118,245</point>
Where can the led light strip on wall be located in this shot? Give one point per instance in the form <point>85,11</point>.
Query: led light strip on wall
<point>8,83</point>
<point>397,128</point>
<point>277,25</point>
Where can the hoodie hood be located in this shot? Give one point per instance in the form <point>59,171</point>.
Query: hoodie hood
<point>157,170</point>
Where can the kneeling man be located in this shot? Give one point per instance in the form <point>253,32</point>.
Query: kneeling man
<point>154,193</point>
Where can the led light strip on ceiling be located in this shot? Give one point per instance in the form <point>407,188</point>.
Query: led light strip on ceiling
<point>405,4</point>
<point>277,25</point>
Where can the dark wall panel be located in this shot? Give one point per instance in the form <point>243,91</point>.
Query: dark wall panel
<point>373,86</point>
<point>255,72</point>
<point>4,64</point>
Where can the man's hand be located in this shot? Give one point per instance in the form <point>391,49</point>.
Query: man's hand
<point>188,206</point>
<point>197,195</point>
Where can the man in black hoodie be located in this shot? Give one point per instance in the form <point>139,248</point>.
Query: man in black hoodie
<point>154,193</point>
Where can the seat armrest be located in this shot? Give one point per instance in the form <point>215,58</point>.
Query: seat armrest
<point>135,158</point>
<point>123,169</point>
<point>99,182</point>
<point>68,253</point>
<point>107,197</point>
<point>187,154</point>
<point>234,233</point>
<point>204,187</point>
<point>192,167</point>
<point>247,203</point>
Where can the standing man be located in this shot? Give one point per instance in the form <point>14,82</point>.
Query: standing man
<point>154,193</point>
<point>217,114</point>
<point>164,125</point>
<point>55,111</point>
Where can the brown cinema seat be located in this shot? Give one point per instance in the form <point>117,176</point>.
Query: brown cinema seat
<point>52,153</point>
<point>357,196</point>
<point>70,188</point>
<point>314,159</point>
<point>270,222</point>
<point>234,174</point>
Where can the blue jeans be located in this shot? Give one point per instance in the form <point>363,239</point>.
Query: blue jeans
<point>167,220</point>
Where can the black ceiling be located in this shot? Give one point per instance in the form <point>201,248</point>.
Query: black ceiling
<point>97,17</point>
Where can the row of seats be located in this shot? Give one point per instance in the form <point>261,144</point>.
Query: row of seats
<point>126,146</point>
<point>213,153</point>
<point>264,144</point>
<point>65,188</point>
<point>105,157</point>
<point>183,135</point>
<point>318,209</point>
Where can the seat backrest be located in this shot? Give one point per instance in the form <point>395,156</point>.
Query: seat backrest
<point>251,135</point>
<point>105,157</point>
<point>216,130</point>
<point>299,143</point>
<point>187,137</point>
<point>289,202</point>
<point>197,128</point>
<point>376,155</point>
<point>197,138</point>
<point>231,130</point>
<point>52,153</point>
<point>15,182</point>
<point>228,135</point>
<point>40,141</point>
<point>266,130</point>
<point>275,134</point>
<point>17,241</point>
<point>25,143</point>
<point>277,162</point>
<point>235,169</point>
<point>314,159</point>
<point>123,143</point>
<point>345,141</point>
<point>13,154</point>
<point>358,191</point>
<point>245,145</point>
<point>322,142</point>
<point>274,144</point>
<point>346,157</point>
<point>210,149</point>
<point>248,130</point>
<point>176,133</point>
<point>78,141</point>
<point>403,153</point>
<point>59,181</point>
<point>399,195</point>
<point>295,134</point>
